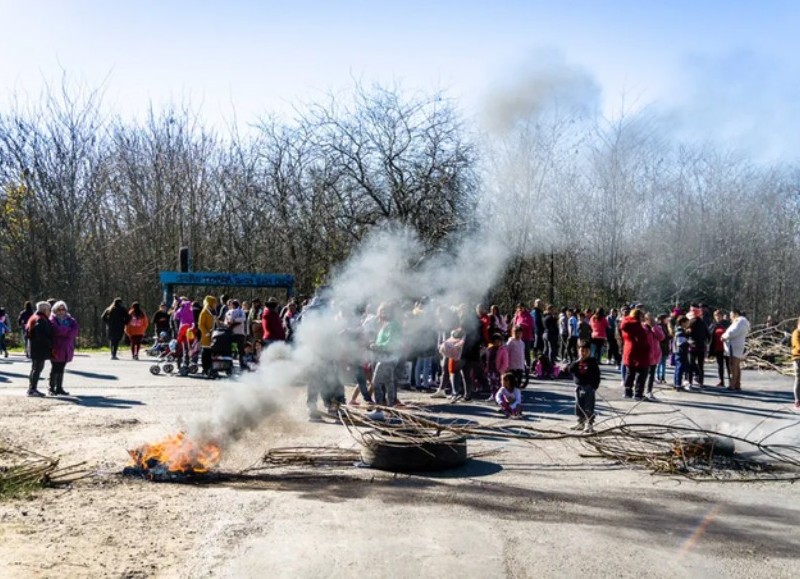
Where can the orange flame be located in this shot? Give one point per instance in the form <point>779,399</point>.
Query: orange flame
<point>177,453</point>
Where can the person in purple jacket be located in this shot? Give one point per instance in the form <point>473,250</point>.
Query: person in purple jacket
<point>65,332</point>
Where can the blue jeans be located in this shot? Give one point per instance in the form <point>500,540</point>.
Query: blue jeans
<point>423,372</point>
<point>681,364</point>
<point>661,368</point>
<point>361,380</point>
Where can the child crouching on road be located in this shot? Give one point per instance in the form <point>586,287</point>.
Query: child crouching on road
<point>586,374</point>
<point>509,397</point>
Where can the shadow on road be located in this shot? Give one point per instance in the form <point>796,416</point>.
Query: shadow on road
<point>102,401</point>
<point>94,375</point>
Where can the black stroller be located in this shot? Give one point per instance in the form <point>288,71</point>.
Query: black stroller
<point>221,352</point>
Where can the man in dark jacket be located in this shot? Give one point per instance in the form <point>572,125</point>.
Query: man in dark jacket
<point>115,317</point>
<point>538,328</point>
<point>698,337</point>
<point>40,336</point>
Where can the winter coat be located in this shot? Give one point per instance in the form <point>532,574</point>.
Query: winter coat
<point>698,335</point>
<point>137,325</point>
<point>40,335</point>
<point>271,324</point>
<point>551,328</point>
<point>599,328</point>
<point>796,344</point>
<point>735,336</point>
<point>635,344</point>
<point>500,358</point>
<point>716,331</point>
<point>516,354</point>
<point>205,322</point>
<point>116,318</point>
<point>524,320</point>
<point>538,328</point>
<point>586,372</point>
<point>184,314</point>
<point>656,336</point>
<point>65,332</point>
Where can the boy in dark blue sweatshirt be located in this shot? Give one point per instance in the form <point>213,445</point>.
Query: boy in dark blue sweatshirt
<point>586,374</point>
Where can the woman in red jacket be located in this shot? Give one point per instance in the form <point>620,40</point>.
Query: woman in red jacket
<point>635,354</point>
<point>271,323</point>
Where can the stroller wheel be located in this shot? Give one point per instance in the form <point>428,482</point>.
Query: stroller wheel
<point>168,368</point>
<point>192,369</point>
<point>155,370</point>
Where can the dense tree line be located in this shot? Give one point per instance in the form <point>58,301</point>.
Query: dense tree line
<point>93,206</point>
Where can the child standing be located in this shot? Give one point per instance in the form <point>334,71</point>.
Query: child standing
<point>680,348</point>
<point>509,397</point>
<point>5,328</point>
<point>496,364</point>
<point>796,364</point>
<point>586,374</point>
<point>516,356</point>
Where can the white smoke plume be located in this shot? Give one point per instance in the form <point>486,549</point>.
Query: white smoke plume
<point>547,81</point>
<point>391,265</point>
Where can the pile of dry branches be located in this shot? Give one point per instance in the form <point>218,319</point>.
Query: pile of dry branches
<point>769,347</point>
<point>678,447</point>
<point>22,470</point>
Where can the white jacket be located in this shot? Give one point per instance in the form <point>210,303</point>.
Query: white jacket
<point>734,337</point>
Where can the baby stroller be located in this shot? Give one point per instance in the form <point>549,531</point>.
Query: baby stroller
<point>167,357</point>
<point>160,345</point>
<point>221,352</point>
<point>188,351</point>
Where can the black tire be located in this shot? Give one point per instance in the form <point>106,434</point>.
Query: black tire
<point>155,370</point>
<point>192,369</point>
<point>168,368</point>
<point>398,455</point>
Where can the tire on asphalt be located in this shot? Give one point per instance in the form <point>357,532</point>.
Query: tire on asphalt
<point>399,455</point>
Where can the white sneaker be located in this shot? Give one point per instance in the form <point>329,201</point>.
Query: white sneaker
<point>650,396</point>
<point>579,426</point>
<point>439,394</point>
<point>588,429</point>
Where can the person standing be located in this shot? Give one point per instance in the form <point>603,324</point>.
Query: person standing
<point>205,325</point>
<point>796,364</point>
<point>734,339</point>
<point>236,320</point>
<point>386,348</point>
<point>717,347</point>
<point>600,327</point>
<point>5,328</point>
<point>40,336</point>
<point>65,332</point>
<point>524,321</point>
<point>115,318</point>
<point>538,328</point>
<point>271,323</point>
<point>635,354</point>
<point>136,328</point>
<point>697,334</point>
<point>586,374</point>
<point>22,323</point>
<point>614,356</point>
<point>161,321</point>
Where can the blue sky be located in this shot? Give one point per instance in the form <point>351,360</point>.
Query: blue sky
<point>724,68</point>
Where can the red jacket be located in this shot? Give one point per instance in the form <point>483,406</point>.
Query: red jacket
<point>272,326</point>
<point>635,344</point>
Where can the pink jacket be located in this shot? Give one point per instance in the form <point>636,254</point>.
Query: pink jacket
<point>501,361</point>
<point>656,335</point>
<point>599,327</point>
<point>515,350</point>
<point>524,320</point>
<point>184,313</point>
<point>65,332</point>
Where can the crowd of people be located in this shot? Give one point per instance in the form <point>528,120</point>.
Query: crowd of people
<point>453,352</point>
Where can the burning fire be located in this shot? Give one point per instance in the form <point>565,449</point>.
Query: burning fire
<point>176,454</point>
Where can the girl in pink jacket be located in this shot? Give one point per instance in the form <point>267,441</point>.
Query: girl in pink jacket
<point>655,335</point>
<point>496,364</point>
